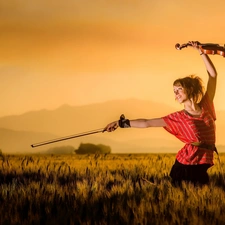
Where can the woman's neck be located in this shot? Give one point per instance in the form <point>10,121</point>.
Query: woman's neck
<point>192,108</point>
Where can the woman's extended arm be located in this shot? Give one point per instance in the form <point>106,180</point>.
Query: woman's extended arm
<point>144,123</point>
<point>138,123</point>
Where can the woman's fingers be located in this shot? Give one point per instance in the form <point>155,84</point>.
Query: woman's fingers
<point>111,127</point>
<point>195,44</point>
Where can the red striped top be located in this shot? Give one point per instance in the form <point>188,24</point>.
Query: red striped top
<point>190,129</point>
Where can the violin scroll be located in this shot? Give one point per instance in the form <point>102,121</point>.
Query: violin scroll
<point>179,47</point>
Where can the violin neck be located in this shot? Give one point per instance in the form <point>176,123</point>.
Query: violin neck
<point>209,45</point>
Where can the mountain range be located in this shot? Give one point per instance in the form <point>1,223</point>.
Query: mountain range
<point>18,132</point>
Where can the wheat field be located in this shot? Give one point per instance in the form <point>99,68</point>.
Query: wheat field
<point>105,189</point>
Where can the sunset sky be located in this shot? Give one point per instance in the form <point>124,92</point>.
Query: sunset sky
<point>80,52</point>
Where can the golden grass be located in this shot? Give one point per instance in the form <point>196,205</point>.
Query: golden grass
<point>105,189</point>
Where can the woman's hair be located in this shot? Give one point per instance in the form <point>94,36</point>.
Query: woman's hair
<point>193,86</point>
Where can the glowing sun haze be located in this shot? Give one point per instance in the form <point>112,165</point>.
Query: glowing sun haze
<point>82,52</point>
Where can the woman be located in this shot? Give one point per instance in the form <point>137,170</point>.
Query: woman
<point>194,125</point>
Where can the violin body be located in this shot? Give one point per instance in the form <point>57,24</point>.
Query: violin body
<point>218,50</point>
<point>211,49</point>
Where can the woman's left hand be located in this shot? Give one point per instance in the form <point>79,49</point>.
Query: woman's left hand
<point>195,45</point>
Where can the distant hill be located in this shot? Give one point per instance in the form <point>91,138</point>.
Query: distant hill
<point>73,119</point>
<point>18,132</point>
<point>20,141</point>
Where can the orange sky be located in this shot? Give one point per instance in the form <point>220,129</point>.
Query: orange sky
<point>81,52</point>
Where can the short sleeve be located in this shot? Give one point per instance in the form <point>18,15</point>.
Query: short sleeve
<point>172,120</point>
<point>208,105</point>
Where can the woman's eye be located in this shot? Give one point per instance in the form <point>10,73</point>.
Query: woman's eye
<point>178,90</point>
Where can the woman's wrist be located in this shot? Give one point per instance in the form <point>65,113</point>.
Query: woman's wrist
<point>124,123</point>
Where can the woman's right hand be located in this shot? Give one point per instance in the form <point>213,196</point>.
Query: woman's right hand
<point>111,126</point>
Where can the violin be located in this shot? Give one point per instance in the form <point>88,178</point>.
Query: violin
<point>211,49</point>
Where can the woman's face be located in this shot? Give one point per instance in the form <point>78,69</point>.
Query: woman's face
<point>180,93</point>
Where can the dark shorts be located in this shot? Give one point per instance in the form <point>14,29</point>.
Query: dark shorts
<point>196,174</point>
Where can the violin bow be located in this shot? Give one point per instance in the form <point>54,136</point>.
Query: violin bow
<point>67,137</point>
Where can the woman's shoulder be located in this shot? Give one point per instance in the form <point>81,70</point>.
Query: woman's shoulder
<point>205,99</point>
<point>207,105</point>
<point>177,114</point>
